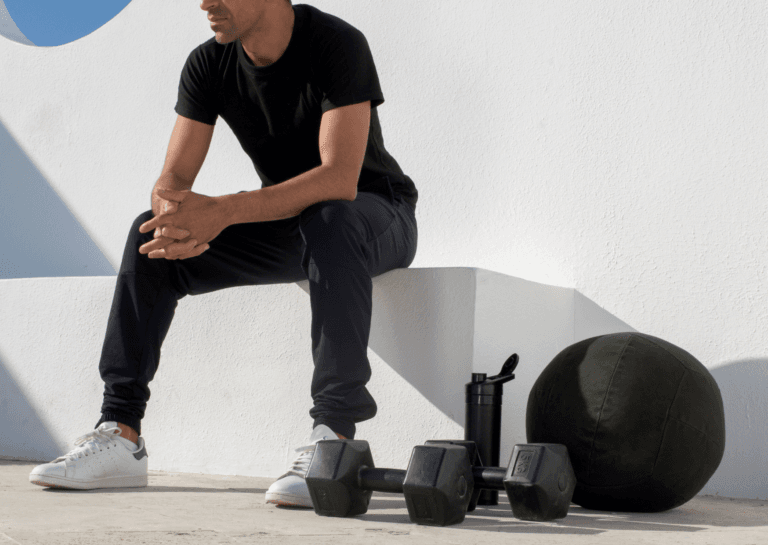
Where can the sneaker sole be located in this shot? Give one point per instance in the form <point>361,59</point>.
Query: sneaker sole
<point>134,481</point>
<point>288,500</point>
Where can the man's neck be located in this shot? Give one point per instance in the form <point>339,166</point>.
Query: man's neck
<point>269,45</point>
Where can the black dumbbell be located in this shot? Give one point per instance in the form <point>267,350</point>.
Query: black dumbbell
<point>437,485</point>
<point>539,480</point>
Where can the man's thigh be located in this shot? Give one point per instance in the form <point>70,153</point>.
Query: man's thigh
<point>246,254</point>
<point>385,227</point>
<point>262,253</point>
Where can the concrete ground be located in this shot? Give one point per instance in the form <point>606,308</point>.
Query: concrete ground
<point>183,508</point>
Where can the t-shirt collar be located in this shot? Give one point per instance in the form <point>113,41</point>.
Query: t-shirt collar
<point>296,35</point>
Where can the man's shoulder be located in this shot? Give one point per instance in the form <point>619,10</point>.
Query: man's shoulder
<point>325,24</point>
<point>211,55</point>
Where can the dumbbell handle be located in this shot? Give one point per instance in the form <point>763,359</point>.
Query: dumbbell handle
<point>380,479</point>
<point>489,478</point>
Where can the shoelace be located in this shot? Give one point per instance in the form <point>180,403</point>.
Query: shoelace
<point>90,443</point>
<point>301,463</point>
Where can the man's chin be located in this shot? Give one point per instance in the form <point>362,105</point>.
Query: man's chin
<point>222,38</point>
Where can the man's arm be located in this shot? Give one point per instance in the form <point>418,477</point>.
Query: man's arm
<point>343,140</point>
<point>187,150</point>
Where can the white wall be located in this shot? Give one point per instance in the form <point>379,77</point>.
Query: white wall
<point>617,148</point>
<point>249,399</point>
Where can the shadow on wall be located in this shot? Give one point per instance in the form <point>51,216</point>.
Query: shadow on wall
<point>26,411</point>
<point>744,387</point>
<point>22,430</point>
<point>41,237</point>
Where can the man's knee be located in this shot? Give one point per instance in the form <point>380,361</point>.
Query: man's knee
<point>135,239</point>
<point>328,218</point>
<point>142,218</point>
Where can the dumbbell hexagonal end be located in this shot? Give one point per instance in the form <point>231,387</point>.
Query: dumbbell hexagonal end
<point>474,457</point>
<point>540,481</point>
<point>438,484</point>
<point>332,478</point>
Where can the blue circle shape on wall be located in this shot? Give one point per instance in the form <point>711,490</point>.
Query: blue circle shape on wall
<point>48,23</point>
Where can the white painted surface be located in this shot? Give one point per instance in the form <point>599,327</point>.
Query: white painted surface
<point>231,395</point>
<point>616,149</point>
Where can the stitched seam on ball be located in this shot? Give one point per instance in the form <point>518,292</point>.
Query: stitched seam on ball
<point>671,354</point>
<point>600,414</point>
<point>697,430</point>
<point>666,422</point>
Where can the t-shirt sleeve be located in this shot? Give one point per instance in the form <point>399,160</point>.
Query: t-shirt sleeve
<point>347,74</point>
<point>196,98</point>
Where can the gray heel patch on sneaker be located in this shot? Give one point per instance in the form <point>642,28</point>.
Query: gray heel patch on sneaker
<point>140,454</point>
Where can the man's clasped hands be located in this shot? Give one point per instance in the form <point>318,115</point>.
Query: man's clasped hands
<point>184,223</point>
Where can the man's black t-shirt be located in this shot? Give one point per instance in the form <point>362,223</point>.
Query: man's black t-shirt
<point>275,111</point>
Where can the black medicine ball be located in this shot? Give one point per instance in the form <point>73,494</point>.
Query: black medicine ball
<point>642,419</point>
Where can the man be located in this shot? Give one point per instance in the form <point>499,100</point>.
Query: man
<point>299,89</point>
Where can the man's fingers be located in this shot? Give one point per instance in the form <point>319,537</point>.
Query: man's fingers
<point>157,221</point>
<point>171,231</point>
<point>147,226</point>
<point>175,249</point>
<point>170,207</point>
<point>196,251</point>
<point>157,243</point>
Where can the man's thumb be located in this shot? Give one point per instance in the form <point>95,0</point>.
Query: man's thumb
<point>173,194</point>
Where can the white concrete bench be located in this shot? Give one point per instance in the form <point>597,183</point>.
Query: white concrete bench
<point>236,365</point>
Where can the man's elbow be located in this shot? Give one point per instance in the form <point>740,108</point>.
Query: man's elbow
<point>348,183</point>
<point>341,183</point>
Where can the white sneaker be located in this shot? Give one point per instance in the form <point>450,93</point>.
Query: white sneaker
<point>291,488</point>
<point>101,459</point>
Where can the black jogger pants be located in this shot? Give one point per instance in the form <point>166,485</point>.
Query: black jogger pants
<point>338,245</point>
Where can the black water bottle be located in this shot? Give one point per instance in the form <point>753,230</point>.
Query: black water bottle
<point>483,419</point>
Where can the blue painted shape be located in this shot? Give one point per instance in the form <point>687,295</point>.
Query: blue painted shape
<point>48,23</point>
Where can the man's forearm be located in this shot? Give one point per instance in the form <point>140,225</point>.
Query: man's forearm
<point>169,180</point>
<point>287,199</point>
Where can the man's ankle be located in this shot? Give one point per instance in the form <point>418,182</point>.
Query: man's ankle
<point>128,433</point>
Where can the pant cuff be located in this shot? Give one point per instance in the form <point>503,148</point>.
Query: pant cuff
<point>339,428</point>
<point>131,421</point>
